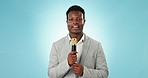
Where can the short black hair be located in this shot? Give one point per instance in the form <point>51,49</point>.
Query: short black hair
<point>75,8</point>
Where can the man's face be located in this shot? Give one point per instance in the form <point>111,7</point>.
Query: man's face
<point>75,22</point>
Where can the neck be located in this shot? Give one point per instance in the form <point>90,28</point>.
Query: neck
<point>77,36</point>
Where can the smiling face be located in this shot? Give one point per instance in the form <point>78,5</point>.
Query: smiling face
<point>75,22</point>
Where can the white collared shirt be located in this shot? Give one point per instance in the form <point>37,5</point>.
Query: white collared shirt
<point>79,47</point>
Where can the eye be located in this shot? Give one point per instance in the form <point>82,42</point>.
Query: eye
<point>80,19</point>
<point>70,19</point>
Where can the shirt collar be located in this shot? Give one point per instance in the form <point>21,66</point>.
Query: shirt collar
<point>81,40</point>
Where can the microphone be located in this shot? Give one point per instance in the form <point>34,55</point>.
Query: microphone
<point>73,42</point>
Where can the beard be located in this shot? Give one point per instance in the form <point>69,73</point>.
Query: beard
<point>79,31</point>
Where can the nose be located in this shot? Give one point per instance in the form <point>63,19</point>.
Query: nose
<point>75,21</point>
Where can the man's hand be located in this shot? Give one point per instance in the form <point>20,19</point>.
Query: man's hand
<point>72,58</point>
<point>78,69</point>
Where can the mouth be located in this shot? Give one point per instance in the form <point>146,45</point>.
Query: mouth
<point>75,27</point>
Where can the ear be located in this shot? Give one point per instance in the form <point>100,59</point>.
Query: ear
<point>84,21</point>
<point>67,21</point>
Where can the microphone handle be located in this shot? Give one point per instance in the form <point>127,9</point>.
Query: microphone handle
<point>74,47</point>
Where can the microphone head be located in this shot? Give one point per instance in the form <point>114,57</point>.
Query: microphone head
<point>73,41</point>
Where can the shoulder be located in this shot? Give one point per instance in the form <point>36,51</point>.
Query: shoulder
<point>60,41</point>
<point>92,41</point>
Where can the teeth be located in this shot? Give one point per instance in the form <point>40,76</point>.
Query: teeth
<point>75,26</point>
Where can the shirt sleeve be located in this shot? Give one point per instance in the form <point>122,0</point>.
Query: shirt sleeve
<point>56,69</point>
<point>101,69</point>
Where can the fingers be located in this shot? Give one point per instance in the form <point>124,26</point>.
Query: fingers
<point>73,52</point>
<point>72,58</point>
<point>77,69</point>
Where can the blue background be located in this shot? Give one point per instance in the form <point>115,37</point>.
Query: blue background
<point>29,27</point>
